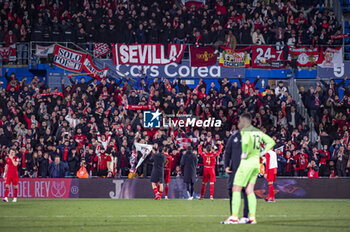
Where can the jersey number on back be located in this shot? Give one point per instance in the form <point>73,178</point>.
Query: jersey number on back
<point>208,161</point>
<point>257,142</point>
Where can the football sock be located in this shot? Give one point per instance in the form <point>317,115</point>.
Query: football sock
<point>211,190</point>
<point>7,190</point>
<point>236,203</point>
<point>155,190</point>
<point>160,193</point>
<point>271,191</point>
<point>245,209</point>
<point>166,190</point>
<point>158,187</point>
<point>251,204</point>
<point>230,197</point>
<point>202,190</point>
<point>15,193</point>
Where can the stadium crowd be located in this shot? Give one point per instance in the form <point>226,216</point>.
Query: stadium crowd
<point>90,123</point>
<point>218,22</point>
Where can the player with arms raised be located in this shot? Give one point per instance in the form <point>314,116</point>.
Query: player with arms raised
<point>209,160</point>
<point>167,171</point>
<point>11,175</point>
<point>248,169</point>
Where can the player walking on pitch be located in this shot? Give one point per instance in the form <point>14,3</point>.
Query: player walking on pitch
<point>209,160</point>
<point>11,175</point>
<point>248,169</point>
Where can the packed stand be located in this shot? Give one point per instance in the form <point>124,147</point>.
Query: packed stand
<point>217,23</point>
<point>330,114</point>
<point>89,124</point>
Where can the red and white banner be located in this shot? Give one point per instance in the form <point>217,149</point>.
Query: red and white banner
<point>305,56</point>
<point>203,56</point>
<point>101,49</point>
<point>140,107</point>
<point>48,94</point>
<point>267,57</point>
<point>41,188</point>
<point>343,36</point>
<point>147,54</point>
<point>41,51</point>
<point>8,53</point>
<point>183,142</point>
<point>68,59</point>
<point>332,57</point>
<point>90,67</point>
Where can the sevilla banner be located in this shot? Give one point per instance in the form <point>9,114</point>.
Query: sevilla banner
<point>202,56</point>
<point>90,67</point>
<point>42,188</point>
<point>332,57</point>
<point>305,56</point>
<point>8,53</point>
<point>140,107</point>
<point>231,59</point>
<point>68,59</point>
<point>147,54</point>
<point>101,49</point>
<point>41,51</point>
<point>267,57</point>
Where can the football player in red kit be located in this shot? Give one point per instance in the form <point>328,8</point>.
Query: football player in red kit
<point>167,172</point>
<point>209,161</point>
<point>271,173</point>
<point>11,175</point>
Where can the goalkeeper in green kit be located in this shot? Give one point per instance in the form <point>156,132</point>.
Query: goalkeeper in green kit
<point>248,170</point>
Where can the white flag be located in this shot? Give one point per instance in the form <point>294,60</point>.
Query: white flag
<point>145,149</point>
<point>42,51</point>
<point>333,57</point>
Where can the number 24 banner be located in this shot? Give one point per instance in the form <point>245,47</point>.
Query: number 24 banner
<point>267,57</point>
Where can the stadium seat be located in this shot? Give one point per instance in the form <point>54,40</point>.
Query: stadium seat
<point>348,56</point>
<point>346,24</point>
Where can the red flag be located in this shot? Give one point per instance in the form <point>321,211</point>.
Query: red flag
<point>203,56</point>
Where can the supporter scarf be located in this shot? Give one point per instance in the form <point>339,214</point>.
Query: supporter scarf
<point>197,39</point>
<point>343,36</point>
<point>65,154</point>
<point>48,94</point>
<point>24,160</point>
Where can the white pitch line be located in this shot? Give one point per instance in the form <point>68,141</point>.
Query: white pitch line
<point>160,216</point>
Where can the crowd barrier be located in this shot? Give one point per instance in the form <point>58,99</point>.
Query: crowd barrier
<point>141,188</point>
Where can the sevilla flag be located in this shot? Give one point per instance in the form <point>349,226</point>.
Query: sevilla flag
<point>8,53</point>
<point>202,56</point>
<point>101,49</point>
<point>90,67</point>
<point>332,57</point>
<point>147,54</point>
<point>305,56</point>
<point>68,59</point>
<point>145,149</point>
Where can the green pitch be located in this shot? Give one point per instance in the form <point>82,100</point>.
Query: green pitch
<point>173,215</point>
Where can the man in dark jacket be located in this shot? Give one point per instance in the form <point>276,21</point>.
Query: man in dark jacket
<point>157,176</point>
<point>57,169</point>
<point>43,165</point>
<point>232,160</point>
<point>189,163</point>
